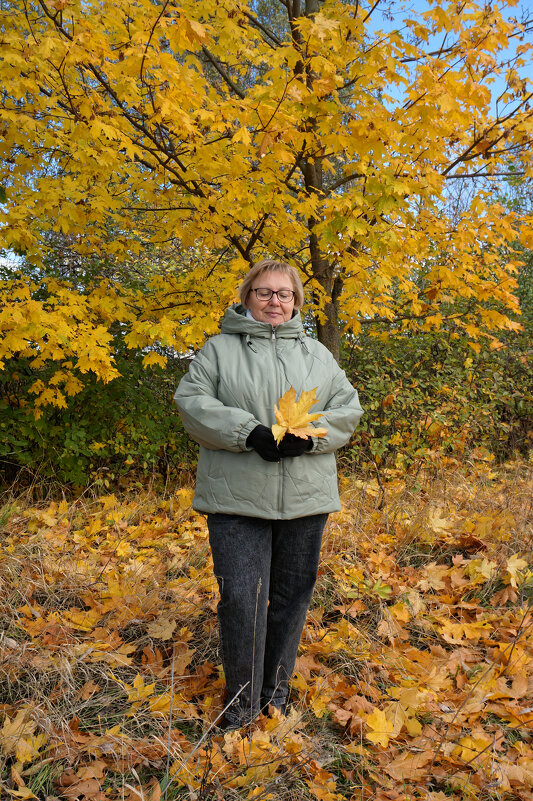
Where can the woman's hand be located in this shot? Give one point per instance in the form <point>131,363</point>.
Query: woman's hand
<point>291,445</point>
<point>262,440</point>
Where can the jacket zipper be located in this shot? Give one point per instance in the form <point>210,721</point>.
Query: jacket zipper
<point>278,381</point>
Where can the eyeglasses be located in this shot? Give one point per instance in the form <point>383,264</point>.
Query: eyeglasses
<point>283,295</point>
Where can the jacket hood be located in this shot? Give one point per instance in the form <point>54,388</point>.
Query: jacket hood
<point>235,321</point>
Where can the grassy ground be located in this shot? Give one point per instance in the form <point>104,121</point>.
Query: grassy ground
<point>414,679</point>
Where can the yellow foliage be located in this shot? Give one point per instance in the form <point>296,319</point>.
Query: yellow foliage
<point>161,629</point>
<point>331,134</point>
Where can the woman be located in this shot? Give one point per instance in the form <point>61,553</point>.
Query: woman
<point>266,505</point>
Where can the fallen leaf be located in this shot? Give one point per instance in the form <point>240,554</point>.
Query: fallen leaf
<point>86,789</point>
<point>89,689</point>
<point>15,730</point>
<point>408,766</point>
<point>23,791</point>
<point>381,729</point>
<point>161,629</point>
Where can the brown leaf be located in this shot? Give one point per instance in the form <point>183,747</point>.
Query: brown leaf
<point>87,789</point>
<point>89,689</point>
<point>342,716</point>
<point>306,664</point>
<point>76,734</point>
<point>266,142</point>
<point>67,778</point>
<point>408,767</point>
<point>152,660</point>
<point>483,145</point>
<point>55,634</point>
<point>504,596</point>
<point>94,770</point>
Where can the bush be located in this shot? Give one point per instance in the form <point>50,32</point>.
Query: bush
<point>427,392</point>
<point>129,425</point>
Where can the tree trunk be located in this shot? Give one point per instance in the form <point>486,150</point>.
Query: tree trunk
<point>328,331</point>
<point>311,165</point>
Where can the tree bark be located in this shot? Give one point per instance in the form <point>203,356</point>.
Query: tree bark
<point>321,267</point>
<point>328,331</point>
<point>311,165</point>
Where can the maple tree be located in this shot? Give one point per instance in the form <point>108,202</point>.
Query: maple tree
<point>306,131</point>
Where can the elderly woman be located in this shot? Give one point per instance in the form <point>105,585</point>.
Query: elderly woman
<point>266,505</point>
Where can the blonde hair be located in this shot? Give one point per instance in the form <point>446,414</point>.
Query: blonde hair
<point>271,266</point>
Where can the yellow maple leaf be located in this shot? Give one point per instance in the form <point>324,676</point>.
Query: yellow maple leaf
<point>400,611</point>
<point>293,416</point>
<point>15,729</point>
<point>27,748</point>
<point>138,692</point>
<point>473,748</point>
<point>381,728</point>
<point>322,783</point>
<point>184,498</point>
<point>514,573</point>
<point>23,791</point>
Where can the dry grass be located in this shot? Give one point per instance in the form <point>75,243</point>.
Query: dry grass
<point>110,677</point>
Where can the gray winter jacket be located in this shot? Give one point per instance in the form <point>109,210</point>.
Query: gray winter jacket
<point>232,386</point>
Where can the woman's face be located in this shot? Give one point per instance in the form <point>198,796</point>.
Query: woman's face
<point>271,311</point>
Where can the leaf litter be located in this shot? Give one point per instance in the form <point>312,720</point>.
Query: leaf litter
<point>414,678</point>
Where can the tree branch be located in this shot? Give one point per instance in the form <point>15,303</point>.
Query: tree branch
<point>342,181</point>
<point>256,23</point>
<point>154,26</point>
<point>369,14</point>
<point>468,154</point>
<point>485,175</point>
<point>256,234</point>
<point>222,72</point>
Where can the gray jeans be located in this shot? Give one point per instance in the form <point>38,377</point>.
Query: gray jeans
<point>266,571</point>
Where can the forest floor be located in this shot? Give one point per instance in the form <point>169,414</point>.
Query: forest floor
<point>414,678</point>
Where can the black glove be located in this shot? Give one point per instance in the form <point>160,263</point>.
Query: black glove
<point>262,440</point>
<point>291,445</point>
